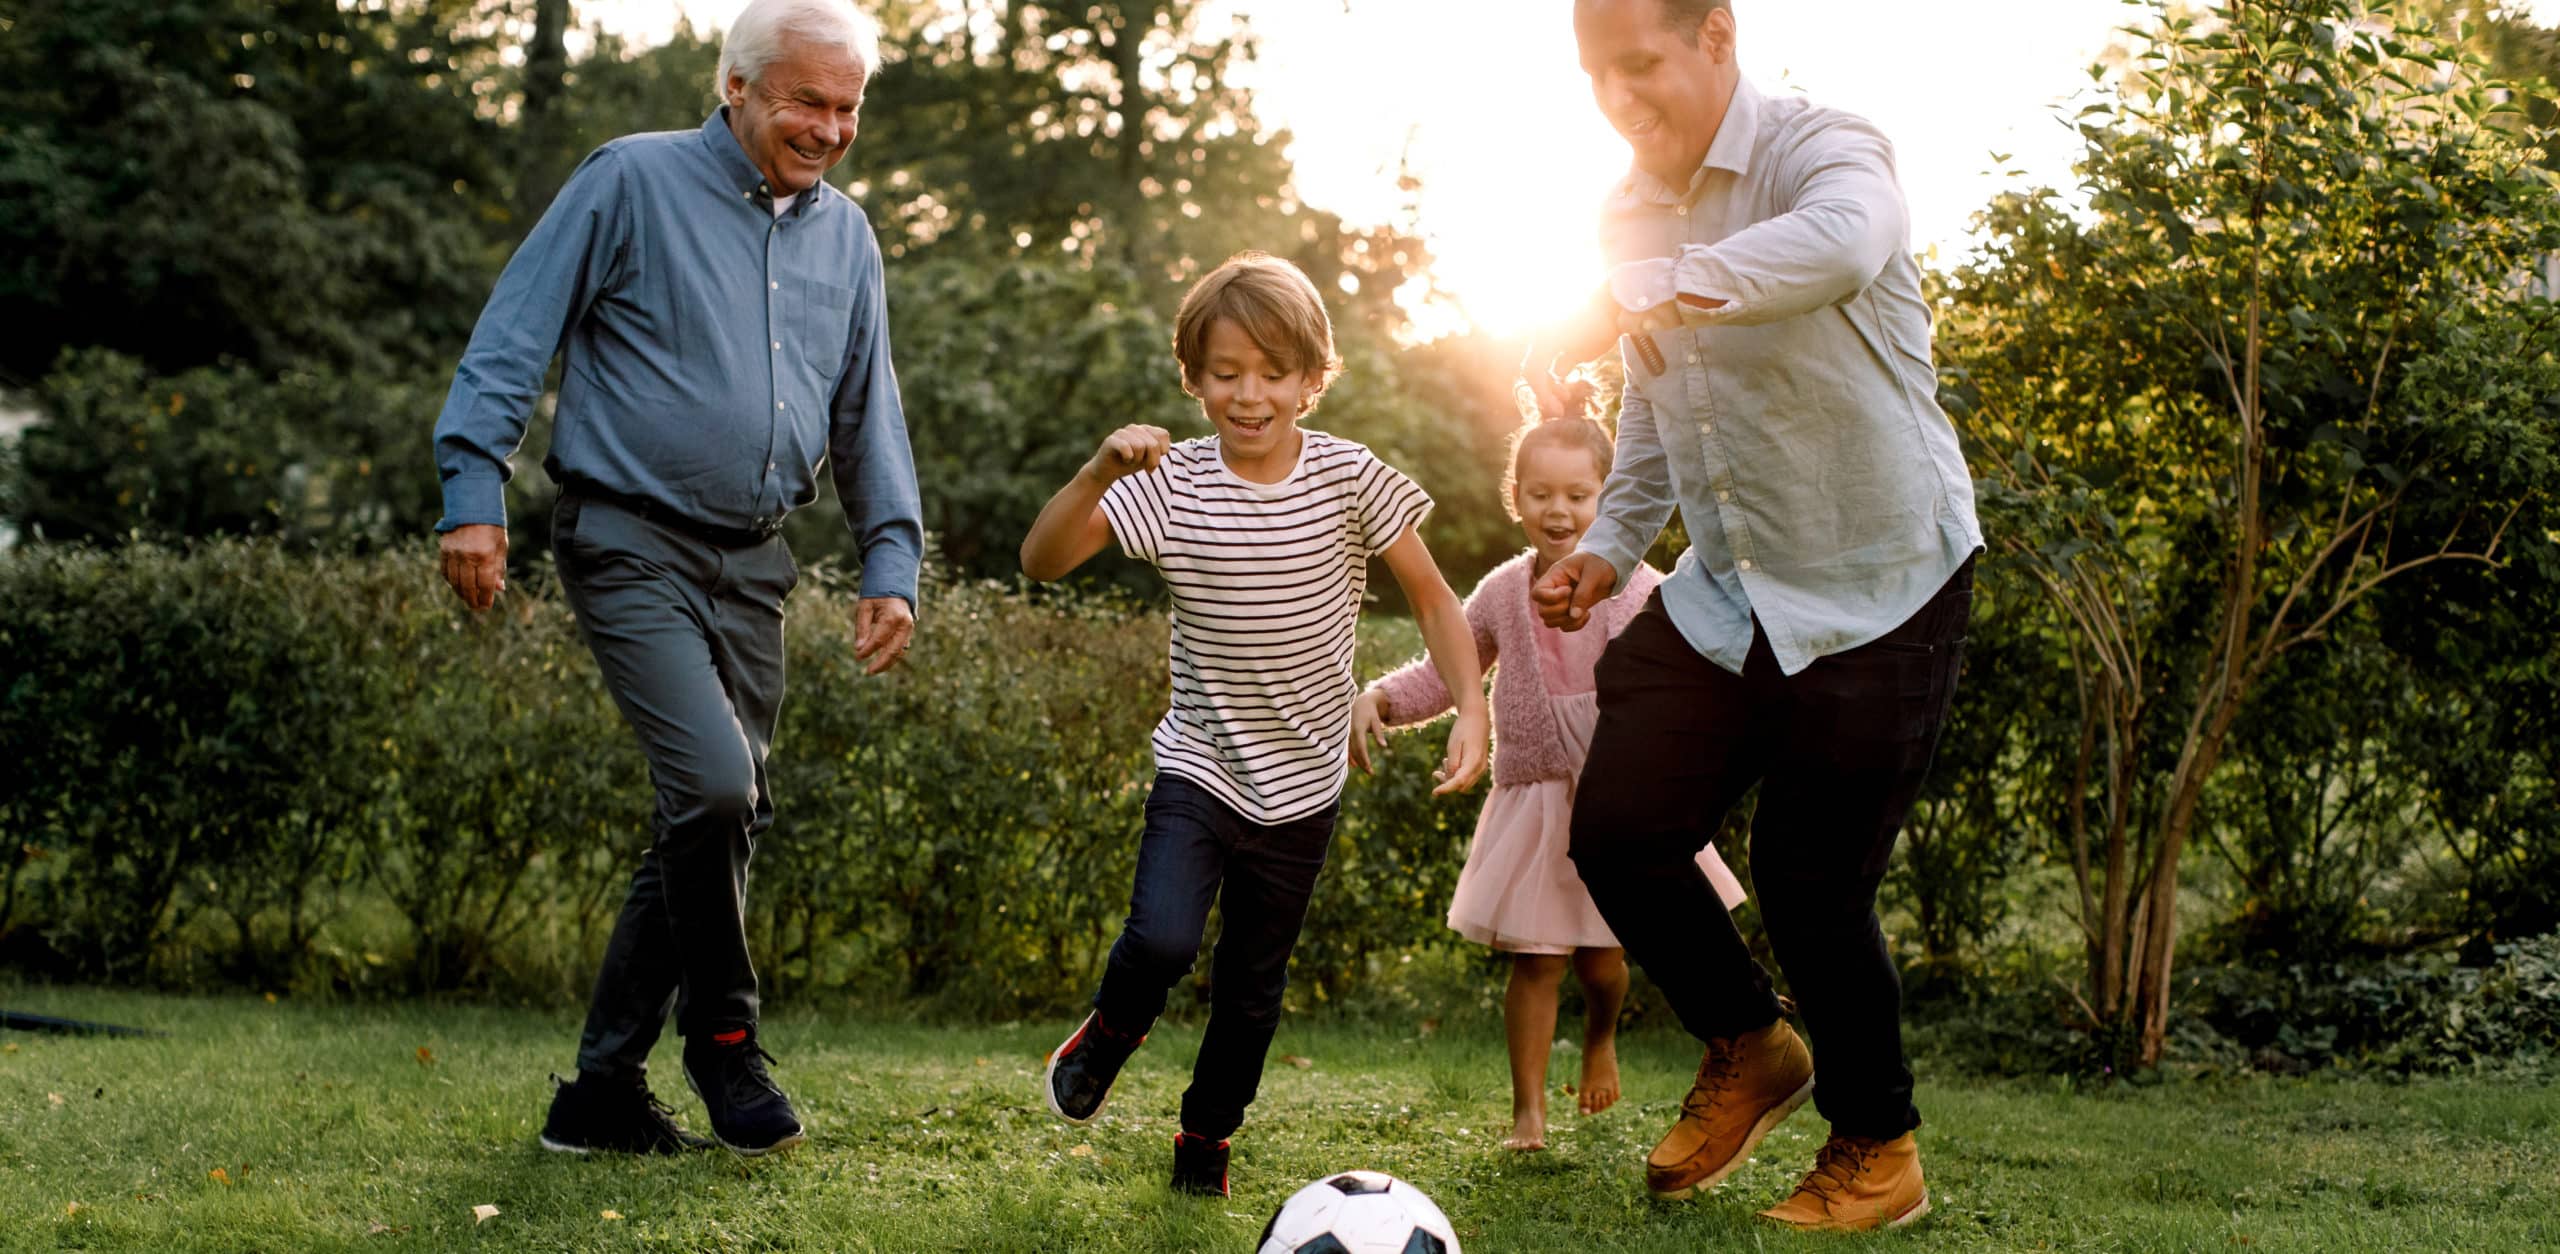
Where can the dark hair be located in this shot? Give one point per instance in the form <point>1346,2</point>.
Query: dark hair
<point>1683,17</point>
<point>1583,433</point>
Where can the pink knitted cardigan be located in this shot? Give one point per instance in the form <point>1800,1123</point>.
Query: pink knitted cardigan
<point>1527,746</point>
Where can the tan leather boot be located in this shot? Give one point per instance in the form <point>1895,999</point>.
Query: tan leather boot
<point>1746,1085</point>
<point>1857,1184</point>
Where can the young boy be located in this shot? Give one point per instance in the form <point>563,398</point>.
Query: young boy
<point>1263,533</point>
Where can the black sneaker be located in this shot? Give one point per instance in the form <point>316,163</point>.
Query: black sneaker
<point>749,1114</point>
<point>1199,1165</point>
<point>1080,1072</point>
<point>618,1115</point>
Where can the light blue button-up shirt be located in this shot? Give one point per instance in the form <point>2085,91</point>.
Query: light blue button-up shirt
<point>1797,426</point>
<point>714,354</point>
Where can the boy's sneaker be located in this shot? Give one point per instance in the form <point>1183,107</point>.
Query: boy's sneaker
<point>749,1114</point>
<point>1199,1165</point>
<point>613,1114</point>
<point>1080,1072</point>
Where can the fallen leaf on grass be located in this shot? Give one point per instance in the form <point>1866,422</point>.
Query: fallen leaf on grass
<point>219,1176</point>
<point>10,1048</point>
<point>376,1228</point>
<point>483,1213</point>
<point>55,1098</point>
<point>426,1056</point>
<point>271,999</point>
<point>73,1209</point>
<point>1298,1062</point>
<point>1081,1151</point>
<point>610,1214</point>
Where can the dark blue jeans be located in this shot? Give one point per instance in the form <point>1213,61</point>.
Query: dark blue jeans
<point>1197,849</point>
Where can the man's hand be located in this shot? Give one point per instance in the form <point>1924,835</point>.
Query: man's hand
<point>1586,334</point>
<point>474,560</point>
<point>1565,594</point>
<point>1129,450</point>
<point>882,626</point>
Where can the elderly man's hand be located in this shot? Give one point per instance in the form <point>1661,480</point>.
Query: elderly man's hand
<point>882,626</point>
<point>474,560</point>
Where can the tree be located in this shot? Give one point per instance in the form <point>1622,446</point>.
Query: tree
<point>2283,359</point>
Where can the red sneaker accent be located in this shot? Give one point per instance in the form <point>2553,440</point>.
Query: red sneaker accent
<point>730,1038</point>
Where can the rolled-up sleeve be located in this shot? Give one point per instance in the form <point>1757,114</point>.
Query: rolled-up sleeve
<point>874,467</point>
<point>555,274</point>
<point>1845,221</point>
<point>1636,501</point>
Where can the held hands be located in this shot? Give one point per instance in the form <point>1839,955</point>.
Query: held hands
<point>1459,769</point>
<point>882,628</point>
<point>1128,451</point>
<point>473,558</point>
<point>1565,594</point>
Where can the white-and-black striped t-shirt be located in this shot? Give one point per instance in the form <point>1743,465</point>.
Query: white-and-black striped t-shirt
<point>1266,581</point>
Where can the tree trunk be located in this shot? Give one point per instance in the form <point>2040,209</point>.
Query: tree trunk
<point>546,71</point>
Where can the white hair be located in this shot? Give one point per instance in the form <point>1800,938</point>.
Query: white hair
<point>758,38</point>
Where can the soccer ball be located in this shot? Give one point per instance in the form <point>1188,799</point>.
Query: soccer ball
<point>1358,1212</point>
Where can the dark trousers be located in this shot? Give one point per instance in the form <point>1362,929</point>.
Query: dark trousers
<point>688,634</point>
<point>1838,751</point>
<point>1196,849</point>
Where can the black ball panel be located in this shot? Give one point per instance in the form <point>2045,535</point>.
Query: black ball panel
<point>1422,1242</point>
<point>1356,1185</point>
<point>1326,1244</point>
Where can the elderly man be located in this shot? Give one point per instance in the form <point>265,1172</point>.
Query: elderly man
<point>720,315</point>
<point>1780,393</point>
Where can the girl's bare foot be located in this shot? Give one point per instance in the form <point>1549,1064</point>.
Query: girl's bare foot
<point>1599,1077</point>
<point>1528,1133</point>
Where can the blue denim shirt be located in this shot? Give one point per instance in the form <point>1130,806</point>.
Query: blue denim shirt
<point>1797,426</point>
<point>715,355</point>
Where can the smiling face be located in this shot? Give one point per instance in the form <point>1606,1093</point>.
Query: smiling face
<point>1253,402</point>
<point>797,119</point>
<point>1664,90</point>
<point>1557,495</point>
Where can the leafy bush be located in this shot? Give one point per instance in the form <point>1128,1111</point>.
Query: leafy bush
<point>242,764</point>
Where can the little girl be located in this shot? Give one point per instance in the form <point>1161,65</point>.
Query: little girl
<point>1519,892</point>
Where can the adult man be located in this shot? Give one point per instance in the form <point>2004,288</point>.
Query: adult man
<point>721,316</point>
<point>1780,394</point>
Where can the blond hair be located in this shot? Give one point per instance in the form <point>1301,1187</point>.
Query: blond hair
<point>1276,306</point>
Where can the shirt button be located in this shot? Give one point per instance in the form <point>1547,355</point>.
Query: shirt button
<point>1682,210</point>
<point>1744,564</point>
<point>775,286</point>
<point>777,404</point>
<point>768,466</point>
<point>1706,428</point>
<point>1724,498</point>
<point>1693,358</point>
<point>777,346</point>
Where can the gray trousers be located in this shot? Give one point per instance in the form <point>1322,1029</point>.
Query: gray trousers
<point>688,634</point>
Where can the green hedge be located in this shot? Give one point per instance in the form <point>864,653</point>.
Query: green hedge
<point>242,765</point>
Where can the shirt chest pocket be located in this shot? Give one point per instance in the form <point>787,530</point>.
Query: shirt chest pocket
<point>818,326</point>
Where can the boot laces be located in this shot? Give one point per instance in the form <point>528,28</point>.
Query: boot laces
<point>1716,1072</point>
<point>1837,1164</point>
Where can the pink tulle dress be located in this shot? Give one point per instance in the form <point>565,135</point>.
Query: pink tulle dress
<point>1519,891</point>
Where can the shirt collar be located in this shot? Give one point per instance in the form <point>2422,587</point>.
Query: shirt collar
<point>736,168</point>
<point>1736,137</point>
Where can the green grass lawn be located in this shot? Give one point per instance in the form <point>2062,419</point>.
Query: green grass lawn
<point>280,1126</point>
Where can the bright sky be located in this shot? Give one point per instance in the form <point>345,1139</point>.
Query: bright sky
<point>1487,101</point>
